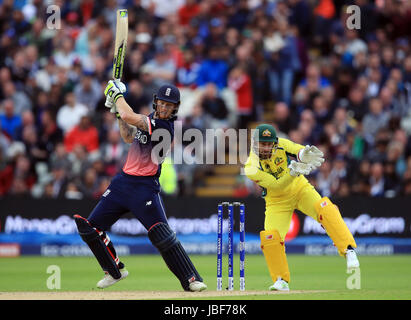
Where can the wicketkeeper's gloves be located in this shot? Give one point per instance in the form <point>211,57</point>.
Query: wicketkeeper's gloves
<point>311,155</point>
<point>297,168</point>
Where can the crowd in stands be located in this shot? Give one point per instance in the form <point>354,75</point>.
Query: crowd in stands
<point>347,91</point>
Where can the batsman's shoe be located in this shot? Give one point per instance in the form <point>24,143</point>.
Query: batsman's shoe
<point>197,286</point>
<point>352,260</point>
<point>108,280</point>
<point>279,285</point>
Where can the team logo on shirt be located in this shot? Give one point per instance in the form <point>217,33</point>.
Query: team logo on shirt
<point>278,161</point>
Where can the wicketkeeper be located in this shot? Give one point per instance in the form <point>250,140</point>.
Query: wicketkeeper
<point>285,188</point>
<point>137,189</point>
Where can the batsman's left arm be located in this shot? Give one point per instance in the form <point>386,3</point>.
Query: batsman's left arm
<point>127,131</point>
<point>115,90</point>
<point>130,117</point>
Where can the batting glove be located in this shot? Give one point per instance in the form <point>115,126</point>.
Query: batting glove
<point>297,168</point>
<point>311,155</point>
<point>115,90</point>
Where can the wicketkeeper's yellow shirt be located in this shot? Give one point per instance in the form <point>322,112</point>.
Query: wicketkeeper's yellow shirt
<point>273,174</point>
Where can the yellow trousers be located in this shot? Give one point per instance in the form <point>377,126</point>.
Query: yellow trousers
<point>277,221</point>
<point>278,213</point>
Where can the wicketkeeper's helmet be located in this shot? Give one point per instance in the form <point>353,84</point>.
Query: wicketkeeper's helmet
<point>264,133</point>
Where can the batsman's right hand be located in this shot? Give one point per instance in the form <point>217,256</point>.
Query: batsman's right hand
<point>115,90</point>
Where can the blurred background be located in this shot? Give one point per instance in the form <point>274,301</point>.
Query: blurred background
<point>291,63</point>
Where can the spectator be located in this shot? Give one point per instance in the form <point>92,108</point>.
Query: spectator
<point>213,69</point>
<point>283,59</point>
<point>65,55</point>
<point>90,184</point>
<point>20,99</point>
<point>88,91</point>
<point>377,180</point>
<point>376,119</point>
<point>132,67</point>
<point>360,179</point>
<point>392,182</point>
<point>113,152</point>
<point>9,120</point>
<point>325,181</point>
<point>6,174</point>
<point>188,11</point>
<point>23,176</point>
<point>357,104</point>
<point>73,191</point>
<point>4,141</point>
<point>143,52</point>
<point>213,105</point>
<point>240,82</point>
<point>70,114</point>
<point>84,134</point>
<point>342,123</point>
<point>321,110</point>
<point>27,119</point>
<point>135,96</point>
<point>148,82</point>
<point>79,162</point>
<point>59,183</point>
<point>314,81</point>
<point>59,157</point>
<point>216,32</point>
<point>50,135</point>
<point>35,151</point>
<point>282,117</point>
<point>161,67</point>
<point>187,73</point>
<point>104,182</point>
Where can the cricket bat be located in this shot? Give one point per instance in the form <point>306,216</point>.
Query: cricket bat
<point>120,47</point>
<point>121,43</point>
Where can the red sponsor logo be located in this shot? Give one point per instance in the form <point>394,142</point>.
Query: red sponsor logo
<point>323,204</point>
<point>9,249</point>
<point>269,237</point>
<point>294,228</point>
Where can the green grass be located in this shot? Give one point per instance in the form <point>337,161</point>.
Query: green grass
<point>382,277</point>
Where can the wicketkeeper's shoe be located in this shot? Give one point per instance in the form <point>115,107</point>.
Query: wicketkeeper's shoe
<point>108,280</point>
<point>197,286</point>
<point>352,260</point>
<point>279,285</point>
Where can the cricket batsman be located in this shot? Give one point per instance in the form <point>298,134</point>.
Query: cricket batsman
<point>136,189</point>
<point>284,189</point>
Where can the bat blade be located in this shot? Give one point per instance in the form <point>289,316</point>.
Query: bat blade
<point>120,43</point>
